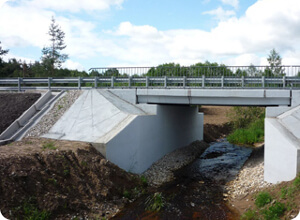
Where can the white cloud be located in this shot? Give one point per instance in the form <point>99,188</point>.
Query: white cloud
<point>74,5</point>
<point>220,13</point>
<point>2,2</point>
<point>233,3</point>
<point>234,41</point>
<point>69,64</point>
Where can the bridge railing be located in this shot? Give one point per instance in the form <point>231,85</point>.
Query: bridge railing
<point>283,77</point>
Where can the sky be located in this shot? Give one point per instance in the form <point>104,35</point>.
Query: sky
<point>144,33</point>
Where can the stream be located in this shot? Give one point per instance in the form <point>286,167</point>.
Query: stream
<point>198,189</point>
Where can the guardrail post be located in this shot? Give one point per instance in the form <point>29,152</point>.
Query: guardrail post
<point>184,81</point>
<point>165,81</point>
<point>147,81</point>
<point>112,82</point>
<point>203,81</point>
<point>96,81</point>
<point>79,82</point>
<point>19,84</point>
<point>283,81</point>
<point>222,81</point>
<point>243,81</point>
<point>129,81</point>
<point>263,81</point>
<point>49,83</point>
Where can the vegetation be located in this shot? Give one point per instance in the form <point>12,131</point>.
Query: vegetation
<point>262,199</point>
<point>254,133</point>
<point>248,125</point>
<point>2,51</point>
<point>276,203</point>
<point>155,202</point>
<point>49,145</point>
<point>29,211</point>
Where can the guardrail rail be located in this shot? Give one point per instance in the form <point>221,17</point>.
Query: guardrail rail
<point>205,77</point>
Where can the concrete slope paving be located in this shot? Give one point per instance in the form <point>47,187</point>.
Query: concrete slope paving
<point>92,118</point>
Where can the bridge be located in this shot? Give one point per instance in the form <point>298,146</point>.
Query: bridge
<point>134,116</point>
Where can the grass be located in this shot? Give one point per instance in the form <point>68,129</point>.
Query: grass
<point>248,125</point>
<point>254,133</point>
<point>249,215</point>
<point>262,199</point>
<point>155,202</point>
<point>29,211</point>
<point>276,203</point>
<point>49,145</point>
<point>274,211</point>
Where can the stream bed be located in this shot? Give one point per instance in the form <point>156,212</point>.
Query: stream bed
<point>198,189</point>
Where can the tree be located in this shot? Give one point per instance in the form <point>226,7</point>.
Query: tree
<point>2,52</point>
<point>274,60</point>
<point>52,57</point>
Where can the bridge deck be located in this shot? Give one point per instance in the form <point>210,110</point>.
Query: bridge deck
<point>230,97</point>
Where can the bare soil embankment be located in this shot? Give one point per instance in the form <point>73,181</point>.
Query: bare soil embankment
<point>12,106</point>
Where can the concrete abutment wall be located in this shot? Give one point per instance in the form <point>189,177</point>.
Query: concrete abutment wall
<point>282,141</point>
<point>148,138</point>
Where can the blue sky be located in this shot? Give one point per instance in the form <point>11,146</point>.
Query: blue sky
<point>105,33</point>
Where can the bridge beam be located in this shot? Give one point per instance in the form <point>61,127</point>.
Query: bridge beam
<point>229,97</point>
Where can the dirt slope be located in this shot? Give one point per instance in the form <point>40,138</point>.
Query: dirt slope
<point>65,178</point>
<point>12,106</point>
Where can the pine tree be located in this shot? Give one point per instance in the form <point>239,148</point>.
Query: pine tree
<point>2,52</point>
<point>52,57</point>
<point>274,60</point>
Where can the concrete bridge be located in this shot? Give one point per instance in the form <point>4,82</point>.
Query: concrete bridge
<point>134,126</point>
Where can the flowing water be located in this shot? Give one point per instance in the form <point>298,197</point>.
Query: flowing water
<point>198,190</point>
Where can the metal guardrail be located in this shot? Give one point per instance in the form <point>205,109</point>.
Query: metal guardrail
<point>283,77</point>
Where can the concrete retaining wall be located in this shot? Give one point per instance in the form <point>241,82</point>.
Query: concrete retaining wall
<point>148,138</point>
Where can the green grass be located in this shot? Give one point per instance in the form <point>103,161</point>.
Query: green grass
<point>254,133</point>
<point>49,145</point>
<point>262,199</point>
<point>29,211</point>
<point>155,203</point>
<point>274,212</point>
<point>249,215</point>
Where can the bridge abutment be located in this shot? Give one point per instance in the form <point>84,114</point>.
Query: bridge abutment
<point>129,135</point>
<point>282,141</point>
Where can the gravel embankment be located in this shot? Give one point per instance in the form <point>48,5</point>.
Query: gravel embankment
<point>250,178</point>
<point>59,108</point>
<point>162,170</point>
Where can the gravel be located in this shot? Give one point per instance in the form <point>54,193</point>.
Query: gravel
<point>50,118</point>
<point>162,171</point>
<point>250,178</point>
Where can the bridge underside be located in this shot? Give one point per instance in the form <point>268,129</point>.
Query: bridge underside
<point>229,97</point>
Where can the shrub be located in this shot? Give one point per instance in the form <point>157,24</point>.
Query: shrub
<point>262,199</point>
<point>243,116</point>
<point>274,211</point>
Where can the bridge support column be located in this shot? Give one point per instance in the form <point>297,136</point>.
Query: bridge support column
<point>282,141</point>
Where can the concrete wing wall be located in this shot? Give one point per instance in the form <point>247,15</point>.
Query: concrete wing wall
<point>148,138</point>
